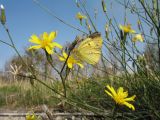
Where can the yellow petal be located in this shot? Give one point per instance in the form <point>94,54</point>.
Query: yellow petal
<point>120,90</point>
<point>109,93</point>
<point>35,39</point>
<point>45,36</point>
<point>138,37</point>
<point>30,117</point>
<point>54,44</point>
<point>65,55</point>
<point>132,31</point>
<point>61,58</point>
<point>33,117</point>
<point>49,50</point>
<point>130,98</point>
<point>80,16</point>
<point>70,65</point>
<point>127,28</point>
<point>81,65</point>
<point>112,90</point>
<point>129,105</point>
<point>34,47</point>
<point>52,36</point>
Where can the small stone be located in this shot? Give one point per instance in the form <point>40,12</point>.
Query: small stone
<point>59,118</point>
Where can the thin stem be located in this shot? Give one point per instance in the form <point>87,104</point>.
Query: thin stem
<point>13,45</point>
<point>88,16</point>
<point>6,43</point>
<point>152,18</point>
<point>69,52</point>
<point>53,15</point>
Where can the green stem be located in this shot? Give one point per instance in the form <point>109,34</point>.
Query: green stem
<point>53,15</point>
<point>114,112</point>
<point>88,16</point>
<point>6,43</point>
<point>123,44</point>
<point>14,47</point>
<point>155,24</point>
<point>67,73</point>
<point>49,59</point>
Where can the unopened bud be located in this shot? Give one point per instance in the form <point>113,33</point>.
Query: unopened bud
<point>77,3</point>
<point>88,26</point>
<point>3,16</point>
<point>107,31</point>
<point>104,6</point>
<point>139,24</point>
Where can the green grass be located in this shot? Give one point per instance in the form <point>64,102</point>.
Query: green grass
<point>88,91</point>
<point>146,90</point>
<point>22,94</point>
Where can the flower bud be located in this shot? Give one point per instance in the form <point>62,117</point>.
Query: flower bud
<point>2,16</point>
<point>107,31</point>
<point>88,26</point>
<point>77,3</point>
<point>104,6</point>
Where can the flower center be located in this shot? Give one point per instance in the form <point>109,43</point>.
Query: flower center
<point>71,60</point>
<point>44,43</point>
<point>119,99</point>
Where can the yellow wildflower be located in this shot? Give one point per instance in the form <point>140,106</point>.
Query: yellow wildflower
<point>138,37</point>
<point>127,28</point>
<point>120,97</point>
<point>80,16</point>
<point>45,41</point>
<point>30,117</point>
<point>70,61</point>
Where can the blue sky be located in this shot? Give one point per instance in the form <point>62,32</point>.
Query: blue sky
<point>25,18</point>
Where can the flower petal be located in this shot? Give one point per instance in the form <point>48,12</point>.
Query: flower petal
<point>45,36</point>
<point>80,16</point>
<point>129,105</point>
<point>132,31</point>
<point>65,55</point>
<point>120,92</point>
<point>34,47</point>
<point>109,93</point>
<point>81,65</point>
<point>35,39</point>
<point>61,58</point>
<point>49,50</point>
<point>70,65</point>
<point>52,36</point>
<point>130,98</point>
<point>138,37</point>
<point>112,90</point>
<point>127,28</point>
<point>54,44</point>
